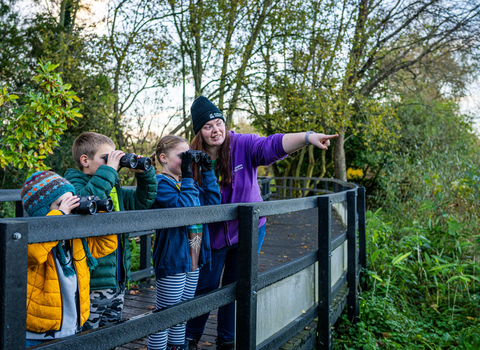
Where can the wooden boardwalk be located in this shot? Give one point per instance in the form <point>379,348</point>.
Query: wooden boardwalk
<point>288,237</point>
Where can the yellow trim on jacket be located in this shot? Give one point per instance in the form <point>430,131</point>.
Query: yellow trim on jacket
<point>44,298</point>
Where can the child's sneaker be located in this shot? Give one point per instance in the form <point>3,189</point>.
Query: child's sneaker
<point>228,345</point>
<point>192,344</point>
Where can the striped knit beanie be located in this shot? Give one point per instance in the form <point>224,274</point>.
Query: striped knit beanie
<point>42,189</point>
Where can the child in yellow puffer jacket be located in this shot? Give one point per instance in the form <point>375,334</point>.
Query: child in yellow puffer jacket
<point>58,290</point>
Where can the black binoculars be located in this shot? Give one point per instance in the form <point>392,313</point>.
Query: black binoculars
<point>93,205</point>
<point>131,161</point>
<point>198,156</point>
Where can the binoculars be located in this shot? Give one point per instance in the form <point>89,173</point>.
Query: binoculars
<point>93,205</point>
<point>198,156</point>
<point>131,161</point>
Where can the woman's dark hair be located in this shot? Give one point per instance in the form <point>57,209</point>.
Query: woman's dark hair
<point>165,145</point>
<point>222,167</point>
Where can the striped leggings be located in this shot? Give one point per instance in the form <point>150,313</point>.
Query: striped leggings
<point>172,290</point>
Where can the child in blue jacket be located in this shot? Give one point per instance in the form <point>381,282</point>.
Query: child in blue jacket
<point>180,252</point>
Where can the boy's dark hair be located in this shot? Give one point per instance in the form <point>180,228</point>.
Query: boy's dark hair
<point>88,143</point>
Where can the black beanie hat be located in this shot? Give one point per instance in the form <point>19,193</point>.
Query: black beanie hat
<point>202,111</point>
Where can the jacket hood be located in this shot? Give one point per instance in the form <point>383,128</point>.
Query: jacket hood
<point>163,178</point>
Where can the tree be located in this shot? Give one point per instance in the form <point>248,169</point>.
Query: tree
<point>328,65</point>
<point>391,37</point>
<point>137,46</point>
<point>217,41</point>
<point>31,129</point>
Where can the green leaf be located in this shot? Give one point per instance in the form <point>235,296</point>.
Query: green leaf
<point>375,254</point>
<point>51,67</point>
<point>377,278</point>
<point>427,259</point>
<point>400,257</point>
<point>442,267</point>
<point>454,278</point>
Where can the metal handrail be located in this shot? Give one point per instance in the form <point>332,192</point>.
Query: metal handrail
<point>287,189</point>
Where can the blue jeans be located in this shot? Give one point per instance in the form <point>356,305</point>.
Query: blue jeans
<point>209,280</point>
<point>261,236</point>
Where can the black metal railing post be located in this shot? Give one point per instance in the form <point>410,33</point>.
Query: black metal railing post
<point>19,209</point>
<point>362,239</point>
<point>324,340</point>
<point>145,251</point>
<point>13,284</point>
<point>264,185</point>
<point>352,277</point>
<point>268,190</point>
<point>246,320</point>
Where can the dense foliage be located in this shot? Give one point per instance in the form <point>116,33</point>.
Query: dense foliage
<point>422,283</point>
<point>33,126</point>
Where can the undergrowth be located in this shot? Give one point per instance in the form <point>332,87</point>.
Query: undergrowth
<point>422,289</point>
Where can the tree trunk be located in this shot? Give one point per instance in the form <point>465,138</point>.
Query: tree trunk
<point>268,83</point>
<point>339,157</point>
<point>62,13</point>
<point>323,167</point>
<point>74,16</point>
<point>226,54</point>
<point>116,112</point>
<point>239,79</point>
<point>311,167</point>
<point>300,162</point>
<point>196,10</point>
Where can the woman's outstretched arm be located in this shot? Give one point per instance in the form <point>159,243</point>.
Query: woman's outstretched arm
<point>293,142</point>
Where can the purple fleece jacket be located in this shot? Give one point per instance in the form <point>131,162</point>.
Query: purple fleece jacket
<point>247,153</point>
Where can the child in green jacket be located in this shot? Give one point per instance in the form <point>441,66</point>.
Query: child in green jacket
<point>98,177</point>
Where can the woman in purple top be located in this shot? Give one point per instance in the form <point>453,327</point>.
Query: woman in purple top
<point>236,158</point>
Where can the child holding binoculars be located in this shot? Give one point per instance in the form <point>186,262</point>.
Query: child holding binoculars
<point>58,280</point>
<point>180,252</point>
<point>98,162</point>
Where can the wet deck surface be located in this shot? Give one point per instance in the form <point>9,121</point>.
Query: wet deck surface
<point>288,237</point>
